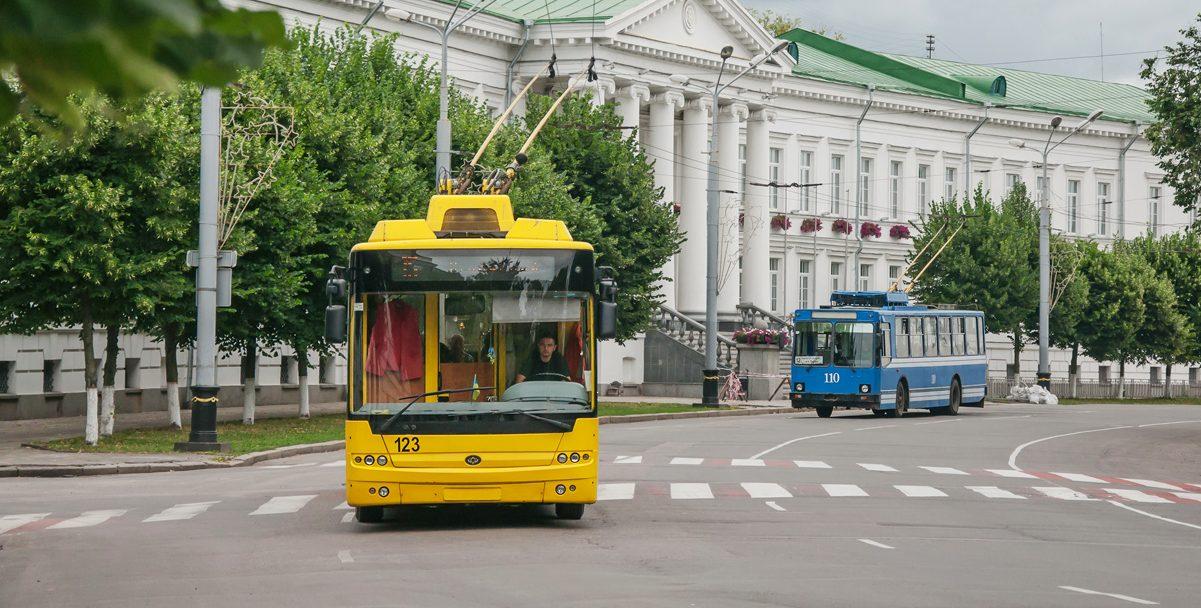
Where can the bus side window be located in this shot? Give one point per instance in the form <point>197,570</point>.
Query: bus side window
<point>944,336</point>
<point>885,343</point>
<point>915,336</point>
<point>903,337</point>
<point>972,345</point>
<point>930,337</point>
<point>957,335</point>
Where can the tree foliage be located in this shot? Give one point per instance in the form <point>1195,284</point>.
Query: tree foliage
<point>1174,85</point>
<point>122,49</point>
<point>778,23</point>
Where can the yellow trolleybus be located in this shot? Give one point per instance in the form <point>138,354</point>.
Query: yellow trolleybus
<point>471,341</point>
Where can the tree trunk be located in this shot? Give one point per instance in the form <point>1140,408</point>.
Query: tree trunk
<point>302,375</point>
<point>108,407</point>
<point>1017,356</point>
<point>1122,378</point>
<point>91,427</point>
<point>1074,373</point>
<point>1167,381</point>
<point>171,351</point>
<point>249,366</point>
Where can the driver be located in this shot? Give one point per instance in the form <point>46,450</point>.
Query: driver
<point>546,362</point>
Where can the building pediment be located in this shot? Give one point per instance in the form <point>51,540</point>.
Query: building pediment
<point>702,27</point>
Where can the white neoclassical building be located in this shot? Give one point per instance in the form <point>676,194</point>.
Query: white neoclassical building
<point>875,136</point>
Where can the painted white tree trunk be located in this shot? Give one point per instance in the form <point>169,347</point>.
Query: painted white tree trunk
<point>173,405</point>
<point>108,410</point>
<point>1072,382</point>
<point>304,396</point>
<point>91,429</point>
<point>248,401</point>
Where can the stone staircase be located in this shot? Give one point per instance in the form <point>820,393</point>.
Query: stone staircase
<point>753,316</point>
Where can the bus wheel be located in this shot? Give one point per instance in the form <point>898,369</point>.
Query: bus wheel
<point>902,403</point>
<point>952,408</point>
<point>824,411</point>
<point>369,515</point>
<point>569,510</point>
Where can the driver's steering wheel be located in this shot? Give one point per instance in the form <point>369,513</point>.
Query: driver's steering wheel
<point>567,378</point>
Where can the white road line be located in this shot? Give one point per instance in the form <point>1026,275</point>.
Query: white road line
<point>1011,473</point>
<point>868,541</point>
<point>1116,596</point>
<point>1137,495</point>
<point>766,490</point>
<point>344,557</point>
<point>615,491</point>
<point>1143,426</point>
<point>883,468</point>
<point>335,463</point>
<point>283,504</point>
<point>811,464</point>
<point>775,506</point>
<point>277,466</point>
<point>686,460</point>
<point>1013,456</point>
<point>872,428</point>
<point>994,492</point>
<point>1154,516</point>
<point>343,506</point>
<point>627,460</point>
<point>792,441</point>
<point>1158,485</point>
<point>921,491</point>
<point>690,491</point>
<point>747,462</point>
<point>1189,495</point>
<point>938,421</point>
<point>181,511</point>
<point>1079,477</point>
<point>843,489</point>
<point>12,522</point>
<point>347,518</point>
<point>944,470</point>
<point>1062,493</point>
<point>88,519</point>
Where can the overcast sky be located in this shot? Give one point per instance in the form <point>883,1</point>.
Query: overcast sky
<point>1021,34</point>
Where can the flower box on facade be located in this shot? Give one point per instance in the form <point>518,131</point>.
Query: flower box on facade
<point>811,224</point>
<point>842,226</point>
<point>870,230</point>
<point>900,231</point>
<point>768,337</point>
<point>780,222</point>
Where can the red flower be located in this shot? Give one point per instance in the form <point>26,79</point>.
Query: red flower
<point>900,231</point>
<point>811,224</point>
<point>781,222</point>
<point>869,230</point>
<point>842,226</point>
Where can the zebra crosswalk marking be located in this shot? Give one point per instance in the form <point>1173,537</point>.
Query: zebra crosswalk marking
<point>1011,473</point>
<point>280,505</point>
<point>766,490</point>
<point>181,511</point>
<point>691,491</point>
<point>1158,485</point>
<point>12,522</point>
<point>615,491</point>
<point>843,489</point>
<point>685,460</point>
<point>1062,493</point>
<point>994,492</point>
<point>88,519</point>
<point>1079,477</point>
<point>921,491</point>
<point>883,468</point>
<point>1137,495</point>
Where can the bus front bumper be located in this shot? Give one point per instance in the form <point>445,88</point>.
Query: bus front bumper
<point>399,486</point>
<point>835,400</point>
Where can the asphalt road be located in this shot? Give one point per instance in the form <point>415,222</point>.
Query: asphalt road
<point>1010,506</point>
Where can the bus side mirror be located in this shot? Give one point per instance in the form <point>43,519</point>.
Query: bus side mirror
<point>606,320</point>
<point>335,323</point>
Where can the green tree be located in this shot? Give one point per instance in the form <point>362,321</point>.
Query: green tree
<point>1174,85</point>
<point>122,49</point>
<point>988,265</point>
<point>1176,257</point>
<point>1115,312</point>
<point>1068,306</point>
<point>778,23</point>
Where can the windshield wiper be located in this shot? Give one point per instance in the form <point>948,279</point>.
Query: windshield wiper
<point>549,399</point>
<point>383,428</point>
<point>550,421</point>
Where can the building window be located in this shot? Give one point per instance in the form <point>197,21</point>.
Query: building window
<point>865,186</point>
<point>836,184</point>
<point>894,273</point>
<point>803,280</point>
<point>1103,374</point>
<point>133,373</point>
<point>773,175</point>
<point>1073,205</point>
<point>773,273</point>
<point>923,188</point>
<point>835,276</point>
<point>1038,196</point>
<point>1011,181</point>
<point>1103,208</point>
<point>949,187</point>
<point>7,372</point>
<point>894,189</point>
<point>806,167</point>
<point>288,370</point>
<point>865,277</point>
<point>1156,374</point>
<point>328,371</point>
<point>1153,215</point>
<point>51,372</point>
<point>742,170</point>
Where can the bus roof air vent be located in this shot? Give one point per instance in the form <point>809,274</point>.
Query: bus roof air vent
<point>470,215</point>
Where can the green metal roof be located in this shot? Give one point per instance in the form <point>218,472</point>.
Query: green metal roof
<point>555,11</point>
<point>833,60</point>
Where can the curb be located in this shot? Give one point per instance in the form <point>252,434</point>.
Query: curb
<point>312,448</point>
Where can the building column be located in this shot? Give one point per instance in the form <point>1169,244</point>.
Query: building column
<point>729,280</point>
<point>690,288</point>
<point>629,107</point>
<point>659,143</point>
<point>602,88</point>
<point>756,286</point>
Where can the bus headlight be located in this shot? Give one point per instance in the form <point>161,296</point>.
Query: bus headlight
<point>575,457</point>
<point>865,388</point>
<point>369,459</point>
<point>381,460</point>
<point>383,491</point>
<point>560,489</point>
<point>562,458</point>
<point>800,387</point>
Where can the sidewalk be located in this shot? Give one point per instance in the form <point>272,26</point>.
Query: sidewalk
<point>14,433</point>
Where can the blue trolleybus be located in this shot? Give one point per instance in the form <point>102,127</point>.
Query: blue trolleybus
<point>873,350</point>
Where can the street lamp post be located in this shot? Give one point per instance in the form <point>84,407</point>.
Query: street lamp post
<point>1044,247</point>
<point>711,374</point>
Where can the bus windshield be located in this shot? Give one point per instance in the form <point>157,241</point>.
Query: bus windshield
<point>845,344</point>
<point>493,331</point>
